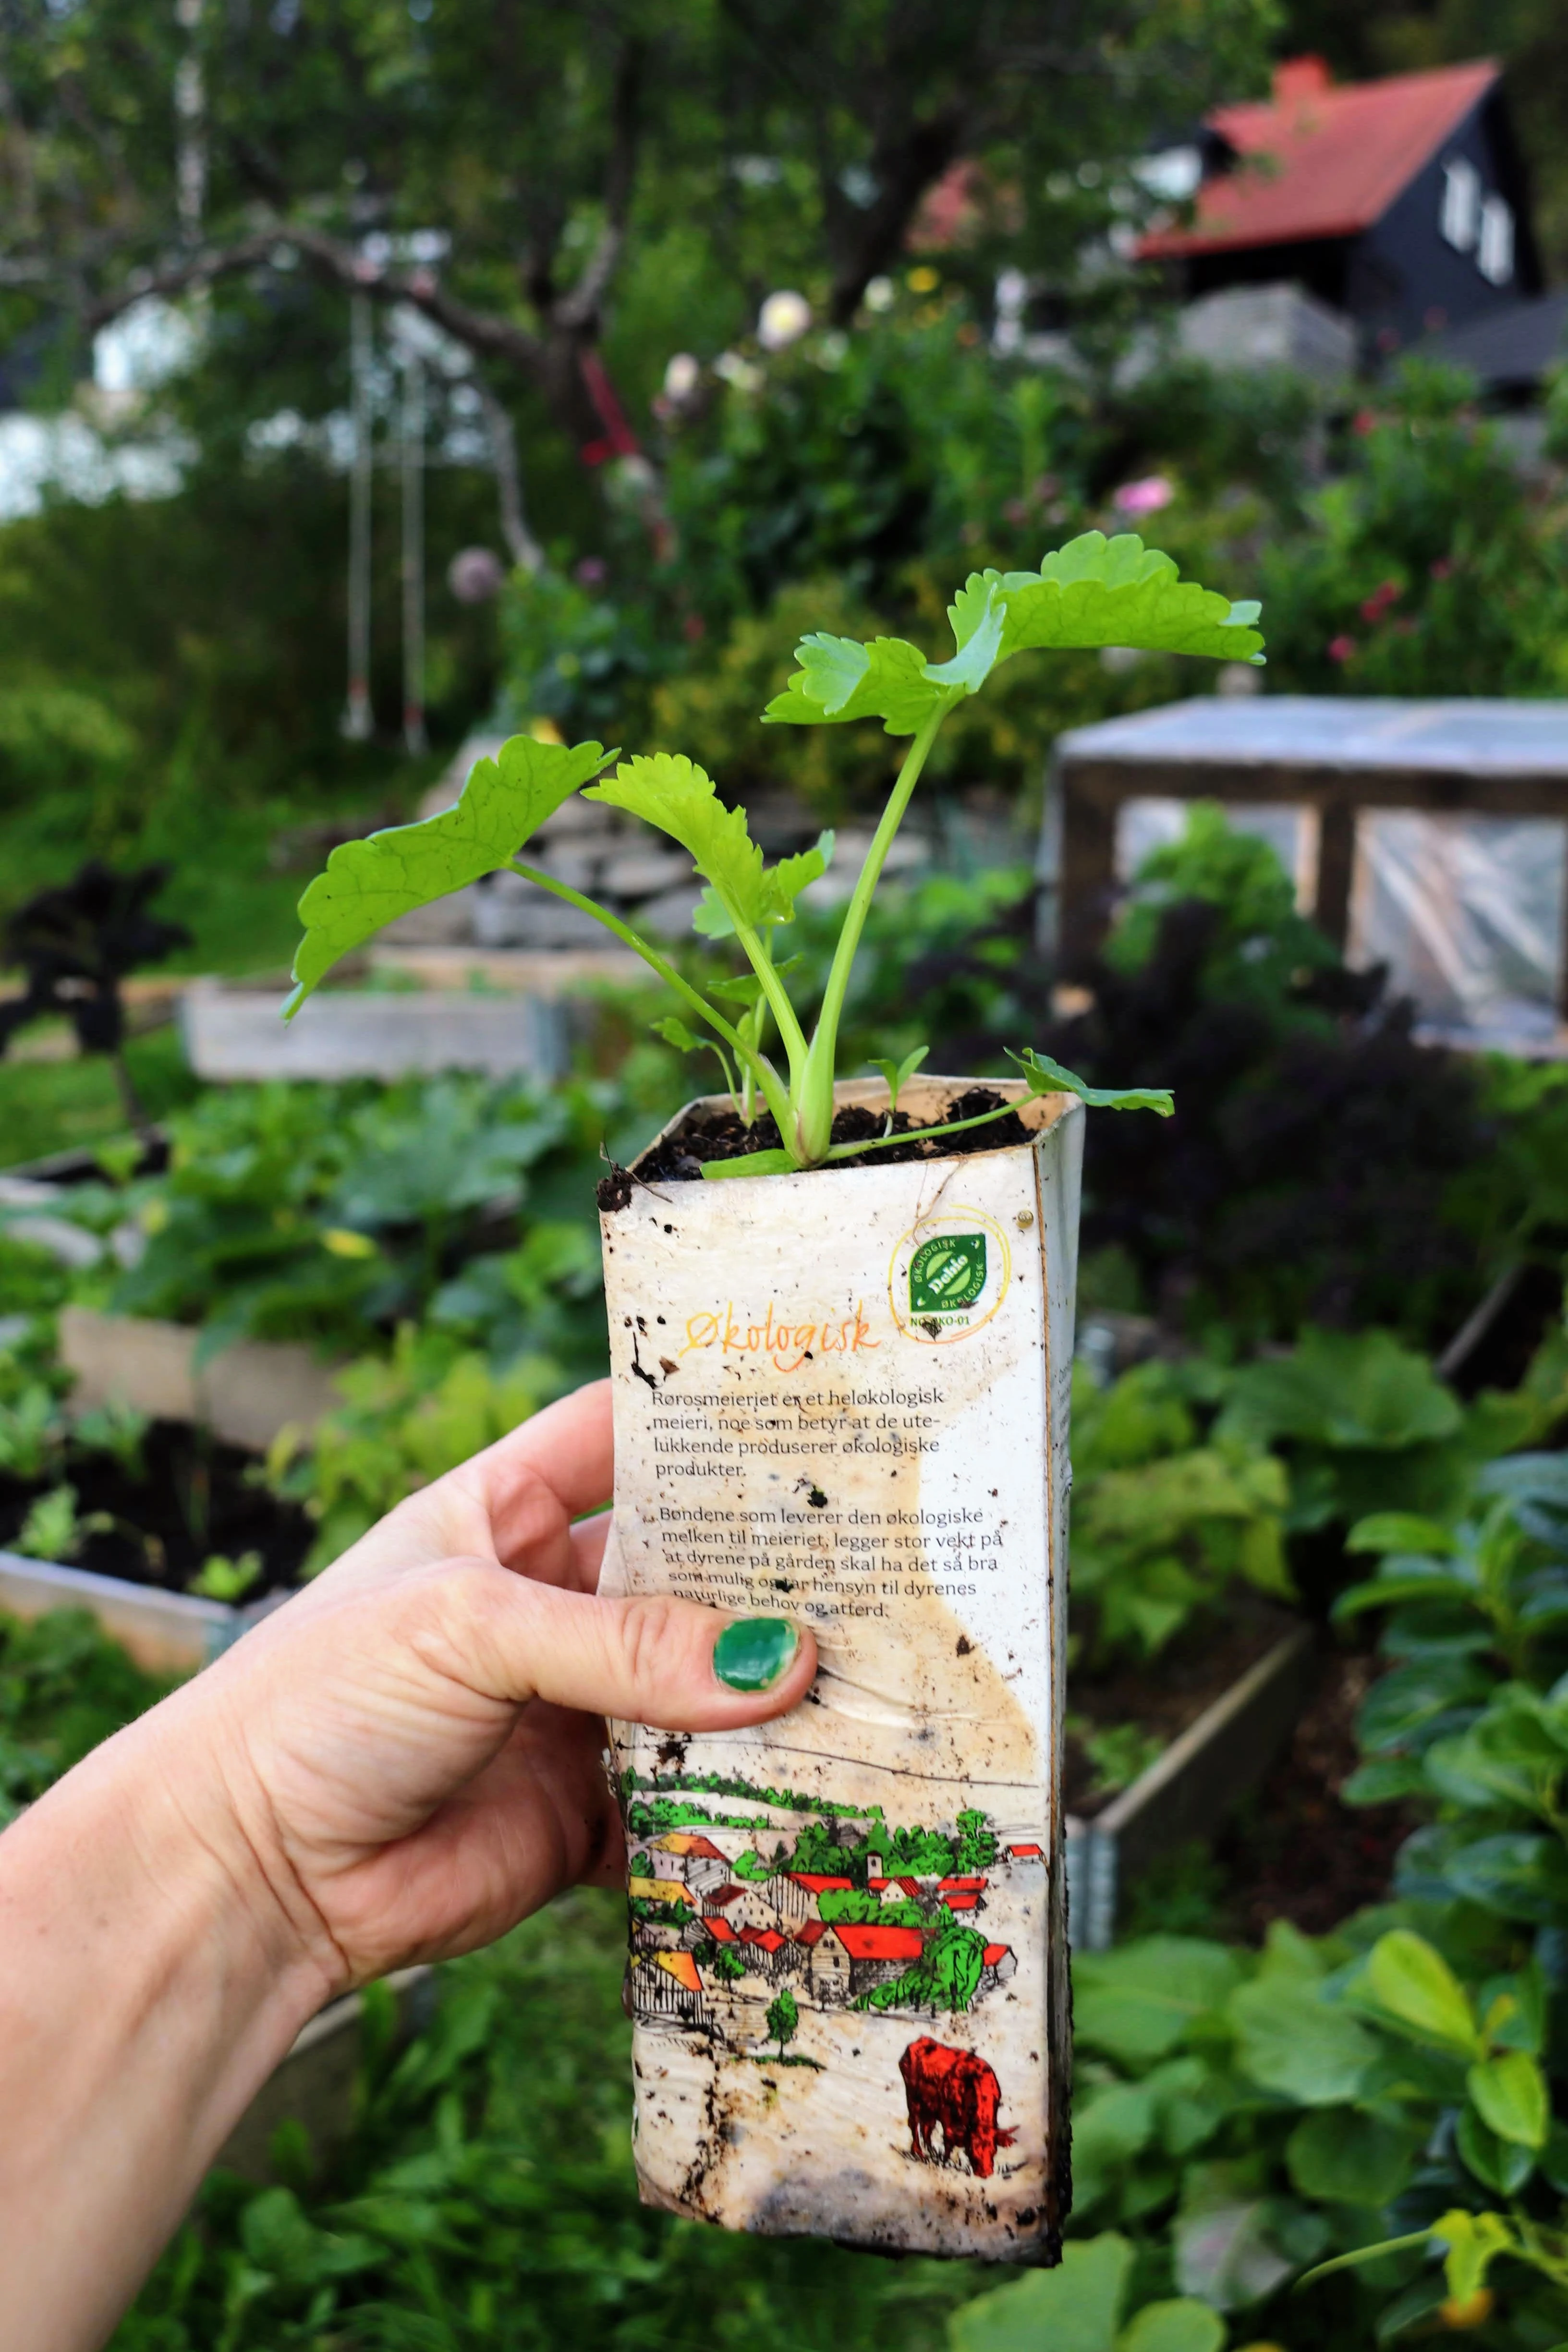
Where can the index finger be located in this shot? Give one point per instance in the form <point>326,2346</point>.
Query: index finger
<point>568,1449</point>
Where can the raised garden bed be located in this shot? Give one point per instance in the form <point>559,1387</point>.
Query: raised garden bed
<point>232,1032</point>
<point>244,1394</point>
<point>317,2083</point>
<point>141,1540</point>
<point>1227,1726</point>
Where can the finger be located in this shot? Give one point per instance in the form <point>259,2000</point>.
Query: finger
<point>568,1449</point>
<point>651,1659</point>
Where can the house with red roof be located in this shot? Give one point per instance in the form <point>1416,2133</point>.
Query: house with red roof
<point>667,1990</point>
<point>1400,203</point>
<point>712,1928</point>
<point>683,1853</point>
<point>851,1957</point>
<point>896,1888</point>
<point>960,1898</point>
<point>1000,1963</point>
<point>1027,1853</point>
<point>797,1892</point>
<point>748,1905</point>
<point>766,1951</point>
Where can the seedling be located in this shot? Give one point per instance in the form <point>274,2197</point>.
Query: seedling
<point>1092,592</point>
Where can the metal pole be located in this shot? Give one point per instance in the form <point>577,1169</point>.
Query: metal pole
<point>413,736</point>
<point>358,718</point>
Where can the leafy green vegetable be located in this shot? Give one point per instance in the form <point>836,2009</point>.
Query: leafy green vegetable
<point>1091,592</point>
<point>369,883</point>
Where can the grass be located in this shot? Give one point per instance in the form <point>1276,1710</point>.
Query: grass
<point>48,1107</point>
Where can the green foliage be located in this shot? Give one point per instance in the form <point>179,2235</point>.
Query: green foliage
<point>1093,592</point>
<point>1164,1527</point>
<point>403,1420</point>
<point>1261,946</point>
<point>369,883</point>
<point>945,1978</point>
<point>329,1212</point>
<point>783,2019</point>
<point>64,1687</point>
<point>1078,2307</point>
<point>1424,572</point>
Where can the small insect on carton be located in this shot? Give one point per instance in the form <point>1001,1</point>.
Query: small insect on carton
<point>843,1397</point>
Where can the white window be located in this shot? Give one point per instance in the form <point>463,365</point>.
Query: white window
<point>1495,259</point>
<point>1461,214</point>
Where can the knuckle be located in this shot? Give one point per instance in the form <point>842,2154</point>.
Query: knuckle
<point>651,1640</point>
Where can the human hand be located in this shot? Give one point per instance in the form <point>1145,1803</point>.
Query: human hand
<point>410,1751</point>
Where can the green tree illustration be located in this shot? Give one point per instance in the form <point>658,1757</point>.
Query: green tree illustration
<point>783,2018</point>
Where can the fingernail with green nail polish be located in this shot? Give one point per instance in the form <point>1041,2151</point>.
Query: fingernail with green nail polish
<point>755,1653</point>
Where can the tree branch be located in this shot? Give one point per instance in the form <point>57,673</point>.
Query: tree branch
<point>480,331</point>
<point>579,308</point>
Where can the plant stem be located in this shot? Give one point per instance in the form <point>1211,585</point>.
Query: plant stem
<point>917,1134</point>
<point>767,1077</point>
<point>814,1094</point>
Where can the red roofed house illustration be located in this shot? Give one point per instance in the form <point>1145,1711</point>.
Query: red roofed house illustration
<point>870,1955</point>
<point>1027,1853</point>
<point>696,1859</point>
<point>667,1989</point>
<point>744,1906</point>
<point>1400,203</point>
<point>764,1949</point>
<point>1000,1963</point>
<point>797,1892</point>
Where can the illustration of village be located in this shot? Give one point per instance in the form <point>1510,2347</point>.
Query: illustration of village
<point>740,1921</point>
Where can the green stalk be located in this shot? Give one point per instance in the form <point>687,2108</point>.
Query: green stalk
<point>813,1093</point>
<point>919,1134</point>
<point>792,1035</point>
<point>774,1091</point>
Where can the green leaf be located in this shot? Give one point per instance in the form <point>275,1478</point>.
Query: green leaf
<point>1137,2003</point>
<point>1049,1077</point>
<point>1510,2096</point>
<point>976,656</point>
<point>1473,2240</point>
<point>1097,592</point>
<point>753,1164</point>
<point>1415,1989</point>
<point>841,680</point>
<point>670,791</point>
<point>1518,1875</point>
<point>1502,2164</point>
<point>369,883</point>
<point>674,1032</point>
<point>1342,2156</point>
<point>898,1074</point>
<point>1292,2039</point>
<point>1073,2308</point>
<point>1401,1531</point>
<point>1181,2324</point>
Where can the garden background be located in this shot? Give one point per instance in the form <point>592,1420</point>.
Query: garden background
<point>1343,2023</point>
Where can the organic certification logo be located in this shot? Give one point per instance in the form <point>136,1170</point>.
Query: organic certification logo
<point>947,1272</point>
<point>948,1276</point>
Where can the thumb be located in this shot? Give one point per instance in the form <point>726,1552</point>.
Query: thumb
<point>648,1659</point>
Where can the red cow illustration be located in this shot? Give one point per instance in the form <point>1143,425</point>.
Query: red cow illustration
<point>960,2092</point>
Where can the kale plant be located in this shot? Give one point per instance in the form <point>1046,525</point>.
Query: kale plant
<point>1092,592</point>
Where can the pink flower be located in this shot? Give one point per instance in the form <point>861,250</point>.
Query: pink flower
<point>693,627</point>
<point>1378,603</point>
<point>1440,567</point>
<point>592,573</point>
<point>1340,648</point>
<point>1145,497</point>
<point>1363,421</point>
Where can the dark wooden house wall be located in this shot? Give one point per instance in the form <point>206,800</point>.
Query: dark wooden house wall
<point>1404,279</point>
<point>1396,277</point>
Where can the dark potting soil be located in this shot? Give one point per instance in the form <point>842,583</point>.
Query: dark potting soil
<point>723,1134</point>
<point>195,1496</point>
<point>1294,1852</point>
<point>1166,1695</point>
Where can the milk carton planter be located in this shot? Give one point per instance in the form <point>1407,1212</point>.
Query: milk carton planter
<point>840,1397</point>
<point>845,1398</point>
